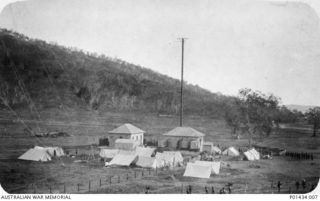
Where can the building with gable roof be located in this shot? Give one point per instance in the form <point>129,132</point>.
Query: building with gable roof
<point>183,138</point>
<point>126,131</point>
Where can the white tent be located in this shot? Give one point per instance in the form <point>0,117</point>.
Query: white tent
<point>216,150</point>
<point>108,153</point>
<point>231,151</point>
<point>145,151</point>
<point>53,151</point>
<point>126,144</point>
<point>252,155</point>
<point>127,152</point>
<point>255,153</point>
<point>123,160</point>
<point>163,160</point>
<point>248,156</point>
<point>199,171</point>
<point>215,165</point>
<point>177,157</point>
<point>147,162</point>
<point>36,155</point>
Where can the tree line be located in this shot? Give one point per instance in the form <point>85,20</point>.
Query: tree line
<point>257,114</point>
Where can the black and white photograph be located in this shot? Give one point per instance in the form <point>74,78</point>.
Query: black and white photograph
<point>160,97</point>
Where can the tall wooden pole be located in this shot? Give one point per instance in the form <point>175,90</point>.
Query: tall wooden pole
<point>181,94</point>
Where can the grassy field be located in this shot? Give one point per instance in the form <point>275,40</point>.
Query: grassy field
<point>86,127</point>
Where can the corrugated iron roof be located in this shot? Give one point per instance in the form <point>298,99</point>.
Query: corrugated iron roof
<point>126,129</point>
<point>184,132</point>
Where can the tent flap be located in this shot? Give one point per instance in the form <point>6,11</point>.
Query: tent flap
<point>214,165</point>
<point>198,171</point>
<point>146,162</point>
<point>123,160</point>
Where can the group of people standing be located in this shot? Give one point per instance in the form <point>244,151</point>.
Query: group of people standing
<point>300,156</point>
<point>224,190</point>
<point>302,183</point>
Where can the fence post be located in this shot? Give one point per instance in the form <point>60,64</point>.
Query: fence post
<point>50,189</point>
<point>142,173</point>
<point>64,188</point>
<point>245,188</point>
<point>127,176</point>
<point>110,180</point>
<point>181,188</point>
<point>78,187</point>
<point>100,182</point>
<point>89,185</point>
<point>156,170</point>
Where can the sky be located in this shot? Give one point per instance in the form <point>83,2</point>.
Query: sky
<point>231,44</point>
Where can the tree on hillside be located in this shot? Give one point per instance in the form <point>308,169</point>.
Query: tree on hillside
<point>313,116</point>
<point>288,116</point>
<point>233,117</point>
<point>254,113</point>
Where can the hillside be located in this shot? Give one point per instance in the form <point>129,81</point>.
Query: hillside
<point>41,75</point>
<point>300,108</point>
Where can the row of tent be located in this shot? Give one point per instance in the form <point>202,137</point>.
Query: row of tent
<point>249,155</point>
<point>210,148</point>
<point>143,157</point>
<point>42,153</point>
<point>140,151</point>
<point>203,169</point>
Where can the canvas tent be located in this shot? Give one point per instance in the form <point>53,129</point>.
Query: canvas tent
<point>147,162</point>
<point>36,155</point>
<point>164,160</point>
<point>215,166</point>
<point>126,144</point>
<point>177,157</point>
<point>127,152</point>
<point>216,150</point>
<point>252,155</point>
<point>53,151</point>
<point>123,160</point>
<point>145,151</point>
<point>255,153</point>
<point>231,151</point>
<point>169,158</point>
<point>108,153</point>
<point>199,171</point>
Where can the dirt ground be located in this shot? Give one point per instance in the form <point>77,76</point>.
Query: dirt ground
<point>65,175</point>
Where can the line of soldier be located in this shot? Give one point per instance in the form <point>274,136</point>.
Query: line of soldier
<point>224,190</point>
<point>300,156</point>
<point>297,184</point>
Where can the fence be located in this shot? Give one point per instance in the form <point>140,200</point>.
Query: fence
<point>94,185</point>
<point>288,188</point>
